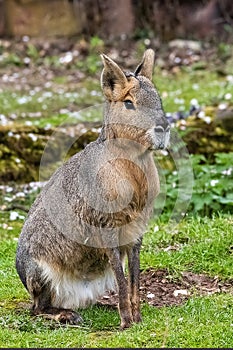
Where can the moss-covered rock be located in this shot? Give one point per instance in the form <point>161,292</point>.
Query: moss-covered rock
<point>205,133</point>
<point>22,148</point>
<point>30,153</point>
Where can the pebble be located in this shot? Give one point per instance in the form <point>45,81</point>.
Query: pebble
<point>178,292</point>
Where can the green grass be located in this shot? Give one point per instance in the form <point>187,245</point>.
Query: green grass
<point>202,245</point>
<point>176,91</point>
<point>203,321</point>
<point>50,106</point>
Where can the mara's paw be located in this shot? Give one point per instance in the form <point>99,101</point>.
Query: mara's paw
<point>137,317</point>
<point>69,317</point>
<point>126,323</point>
<point>61,315</point>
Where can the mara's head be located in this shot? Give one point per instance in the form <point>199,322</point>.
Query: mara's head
<point>133,106</point>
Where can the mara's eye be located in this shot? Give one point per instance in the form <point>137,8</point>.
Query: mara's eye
<point>129,104</point>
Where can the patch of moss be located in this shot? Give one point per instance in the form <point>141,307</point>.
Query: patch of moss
<point>22,148</point>
<point>206,138</point>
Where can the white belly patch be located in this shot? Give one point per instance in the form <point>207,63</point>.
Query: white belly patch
<point>72,293</point>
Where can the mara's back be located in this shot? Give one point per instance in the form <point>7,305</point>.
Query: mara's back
<point>94,210</point>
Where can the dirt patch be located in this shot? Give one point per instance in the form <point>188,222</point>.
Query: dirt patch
<point>159,289</point>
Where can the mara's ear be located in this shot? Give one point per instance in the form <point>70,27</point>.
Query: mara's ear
<point>113,80</point>
<point>146,67</point>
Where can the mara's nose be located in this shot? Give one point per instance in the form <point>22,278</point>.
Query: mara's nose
<point>162,136</point>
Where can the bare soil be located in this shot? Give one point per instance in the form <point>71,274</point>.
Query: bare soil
<point>159,289</point>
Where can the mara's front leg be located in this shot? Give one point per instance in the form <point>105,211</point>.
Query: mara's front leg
<point>123,292</point>
<point>134,279</point>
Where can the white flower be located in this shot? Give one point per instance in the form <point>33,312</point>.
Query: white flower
<point>26,60</point>
<point>178,101</point>
<point>227,172</point>
<point>14,215</point>
<point>195,87</point>
<point>8,199</point>
<point>207,119</point>
<point>230,78</point>
<point>201,114</point>
<point>23,99</point>
<point>194,102</point>
<point>228,96</point>
<point>67,58</point>
<point>33,137</point>
<point>20,194</point>
<point>222,106</point>
<point>213,182</point>
<point>9,189</point>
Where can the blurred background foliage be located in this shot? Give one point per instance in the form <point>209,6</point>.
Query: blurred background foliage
<point>167,19</point>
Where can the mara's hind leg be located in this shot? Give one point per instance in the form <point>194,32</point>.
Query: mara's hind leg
<point>42,306</point>
<point>42,302</point>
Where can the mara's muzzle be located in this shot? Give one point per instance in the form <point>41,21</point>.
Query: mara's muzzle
<point>161,137</point>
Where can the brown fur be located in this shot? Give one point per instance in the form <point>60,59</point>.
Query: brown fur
<point>93,211</point>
